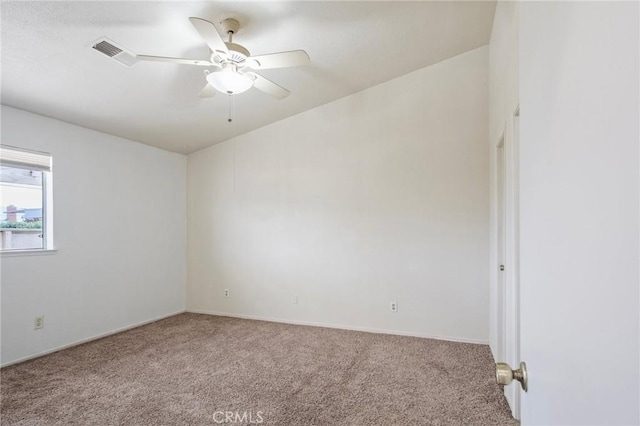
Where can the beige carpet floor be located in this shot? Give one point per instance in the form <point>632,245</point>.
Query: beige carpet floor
<point>192,369</point>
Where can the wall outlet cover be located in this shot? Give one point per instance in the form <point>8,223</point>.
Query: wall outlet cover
<point>38,322</point>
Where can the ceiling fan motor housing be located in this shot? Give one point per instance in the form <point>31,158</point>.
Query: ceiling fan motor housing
<point>237,54</point>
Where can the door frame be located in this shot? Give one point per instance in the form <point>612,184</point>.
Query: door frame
<point>508,294</point>
<point>501,248</point>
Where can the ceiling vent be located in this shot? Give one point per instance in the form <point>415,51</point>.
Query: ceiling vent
<point>112,50</point>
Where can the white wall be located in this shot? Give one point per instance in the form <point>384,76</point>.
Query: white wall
<point>377,197</point>
<point>580,196</point>
<point>120,231</point>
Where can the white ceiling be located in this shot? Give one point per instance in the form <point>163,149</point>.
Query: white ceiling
<point>49,68</point>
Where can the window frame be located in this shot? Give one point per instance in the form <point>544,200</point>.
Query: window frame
<point>47,204</point>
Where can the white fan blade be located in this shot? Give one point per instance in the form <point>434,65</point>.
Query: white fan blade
<point>268,86</point>
<point>210,35</point>
<point>207,91</point>
<point>295,58</point>
<point>174,60</point>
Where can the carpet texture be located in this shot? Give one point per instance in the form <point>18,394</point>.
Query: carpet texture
<point>195,369</point>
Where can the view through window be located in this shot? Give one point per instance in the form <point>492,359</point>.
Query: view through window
<point>23,200</point>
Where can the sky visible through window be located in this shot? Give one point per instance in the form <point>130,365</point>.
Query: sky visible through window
<point>21,196</point>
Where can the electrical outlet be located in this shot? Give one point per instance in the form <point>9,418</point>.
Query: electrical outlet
<point>226,292</point>
<point>295,299</point>
<point>394,306</point>
<point>38,323</point>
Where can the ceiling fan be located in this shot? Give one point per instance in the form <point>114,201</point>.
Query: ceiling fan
<point>233,62</point>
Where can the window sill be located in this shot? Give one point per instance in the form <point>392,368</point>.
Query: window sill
<point>33,252</point>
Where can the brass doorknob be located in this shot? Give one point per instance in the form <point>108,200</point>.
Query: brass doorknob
<point>505,375</point>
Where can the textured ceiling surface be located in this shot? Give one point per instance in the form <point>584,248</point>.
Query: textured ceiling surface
<point>49,68</point>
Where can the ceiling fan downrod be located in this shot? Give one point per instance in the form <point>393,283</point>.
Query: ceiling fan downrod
<point>230,26</point>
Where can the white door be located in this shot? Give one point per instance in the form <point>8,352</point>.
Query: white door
<point>579,212</point>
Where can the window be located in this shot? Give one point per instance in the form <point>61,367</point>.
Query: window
<point>25,200</point>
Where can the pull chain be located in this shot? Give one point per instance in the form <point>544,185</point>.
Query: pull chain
<point>231,108</point>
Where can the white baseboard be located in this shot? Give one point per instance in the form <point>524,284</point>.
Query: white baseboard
<point>89,339</point>
<point>342,327</point>
<point>250,317</point>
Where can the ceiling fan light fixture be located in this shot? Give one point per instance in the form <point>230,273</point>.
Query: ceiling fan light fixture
<point>230,82</point>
